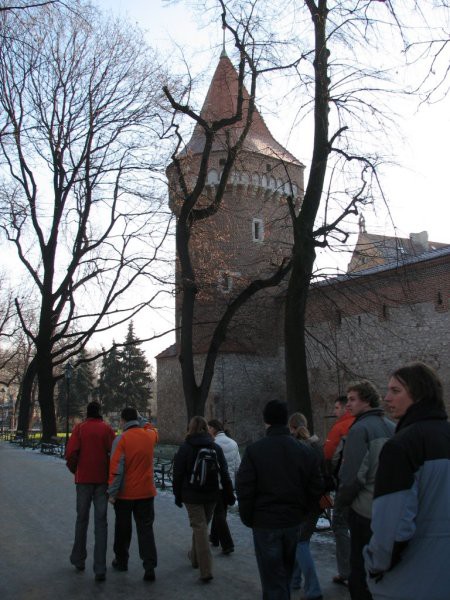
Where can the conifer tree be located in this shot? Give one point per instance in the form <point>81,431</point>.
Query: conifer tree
<point>137,379</point>
<point>81,389</point>
<point>109,390</point>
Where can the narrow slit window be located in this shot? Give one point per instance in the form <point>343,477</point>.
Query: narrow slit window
<point>257,230</point>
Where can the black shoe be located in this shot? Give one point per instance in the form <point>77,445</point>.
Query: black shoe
<point>149,575</point>
<point>228,550</point>
<point>118,566</point>
<point>206,579</point>
<point>100,577</point>
<point>78,566</point>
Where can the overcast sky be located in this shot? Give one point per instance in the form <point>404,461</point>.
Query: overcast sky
<point>418,190</point>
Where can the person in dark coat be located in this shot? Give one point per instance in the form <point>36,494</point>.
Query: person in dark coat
<point>199,500</point>
<point>277,485</point>
<point>407,556</point>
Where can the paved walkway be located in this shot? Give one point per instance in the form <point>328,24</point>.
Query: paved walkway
<point>37,517</point>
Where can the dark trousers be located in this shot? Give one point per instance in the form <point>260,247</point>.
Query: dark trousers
<point>144,515</point>
<point>275,555</point>
<point>220,532</point>
<point>360,534</point>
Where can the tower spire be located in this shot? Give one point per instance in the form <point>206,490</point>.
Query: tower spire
<point>223,54</point>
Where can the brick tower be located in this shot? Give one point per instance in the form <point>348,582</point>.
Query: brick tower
<point>245,240</point>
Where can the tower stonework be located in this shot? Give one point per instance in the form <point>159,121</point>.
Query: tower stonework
<point>246,239</point>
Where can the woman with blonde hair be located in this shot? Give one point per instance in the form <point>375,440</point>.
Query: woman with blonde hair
<point>198,466</point>
<point>304,563</point>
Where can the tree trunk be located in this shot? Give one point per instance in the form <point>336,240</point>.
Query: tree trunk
<point>25,393</point>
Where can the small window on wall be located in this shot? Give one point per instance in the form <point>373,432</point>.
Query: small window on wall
<point>257,230</point>
<point>225,282</point>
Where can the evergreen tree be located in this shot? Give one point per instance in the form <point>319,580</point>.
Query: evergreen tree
<point>81,389</point>
<point>109,390</point>
<point>136,373</point>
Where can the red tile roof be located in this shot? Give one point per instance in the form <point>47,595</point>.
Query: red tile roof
<point>221,102</point>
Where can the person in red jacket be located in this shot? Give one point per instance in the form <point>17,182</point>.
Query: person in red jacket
<point>87,456</point>
<point>333,449</point>
<point>132,491</point>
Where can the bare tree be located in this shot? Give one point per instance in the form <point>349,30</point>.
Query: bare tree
<point>81,106</point>
<point>195,205</point>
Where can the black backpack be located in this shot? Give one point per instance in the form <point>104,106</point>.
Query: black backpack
<point>206,470</point>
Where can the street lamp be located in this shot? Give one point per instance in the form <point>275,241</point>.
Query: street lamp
<point>68,370</point>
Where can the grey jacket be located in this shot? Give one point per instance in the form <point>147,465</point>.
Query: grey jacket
<point>365,439</point>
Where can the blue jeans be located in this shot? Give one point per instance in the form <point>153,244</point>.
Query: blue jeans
<point>275,555</point>
<point>87,493</point>
<point>304,565</point>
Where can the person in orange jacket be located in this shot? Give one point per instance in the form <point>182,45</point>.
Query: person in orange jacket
<point>87,456</point>
<point>132,491</point>
<point>333,449</point>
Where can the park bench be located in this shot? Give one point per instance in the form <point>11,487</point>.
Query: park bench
<point>54,448</point>
<point>163,471</point>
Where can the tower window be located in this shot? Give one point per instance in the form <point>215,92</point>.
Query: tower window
<point>222,162</point>
<point>225,282</point>
<point>257,230</point>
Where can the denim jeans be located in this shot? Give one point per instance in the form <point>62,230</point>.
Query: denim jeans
<point>304,565</point>
<point>144,514</point>
<point>200,516</point>
<point>87,493</point>
<point>275,555</point>
<point>220,532</point>
<point>342,537</point>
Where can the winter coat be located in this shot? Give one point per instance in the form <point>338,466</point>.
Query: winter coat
<point>183,464</point>
<point>365,439</point>
<point>131,468</point>
<point>231,453</point>
<point>278,482</point>
<point>339,430</point>
<point>409,549</point>
<point>89,447</point>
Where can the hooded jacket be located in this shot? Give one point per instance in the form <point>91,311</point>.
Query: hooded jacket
<point>366,437</point>
<point>408,553</point>
<point>89,447</point>
<point>131,468</point>
<point>183,464</point>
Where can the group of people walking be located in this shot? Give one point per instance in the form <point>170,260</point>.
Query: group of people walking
<point>390,475</point>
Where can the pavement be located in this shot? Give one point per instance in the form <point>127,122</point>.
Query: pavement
<point>37,518</point>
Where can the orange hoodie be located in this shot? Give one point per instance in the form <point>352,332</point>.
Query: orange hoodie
<point>131,466</point>
<point>336,433</point>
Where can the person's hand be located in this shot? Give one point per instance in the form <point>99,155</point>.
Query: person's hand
<point>111,500</point>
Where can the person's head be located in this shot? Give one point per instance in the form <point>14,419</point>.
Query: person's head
<point>129,414</point>
<point>93,410</point>
<point>361,397</point>
<point>275,413</point>
<point>197,425</point>
<point>298,426</point>
<point>215,426</point>
<point>411,384</point>
<point>340,406</point>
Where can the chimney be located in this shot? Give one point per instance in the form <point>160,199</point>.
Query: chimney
<point>419,241</point>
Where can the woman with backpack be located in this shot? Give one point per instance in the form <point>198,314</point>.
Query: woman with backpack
<point>199,465</point>
<point>220,532</point>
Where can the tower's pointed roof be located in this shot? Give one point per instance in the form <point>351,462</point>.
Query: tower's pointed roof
<point>221,102</point>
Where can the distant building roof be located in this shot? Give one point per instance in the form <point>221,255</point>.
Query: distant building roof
<point>373,250</point>
<point>221,102</point>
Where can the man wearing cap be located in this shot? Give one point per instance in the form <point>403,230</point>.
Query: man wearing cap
<point>278,482</point>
